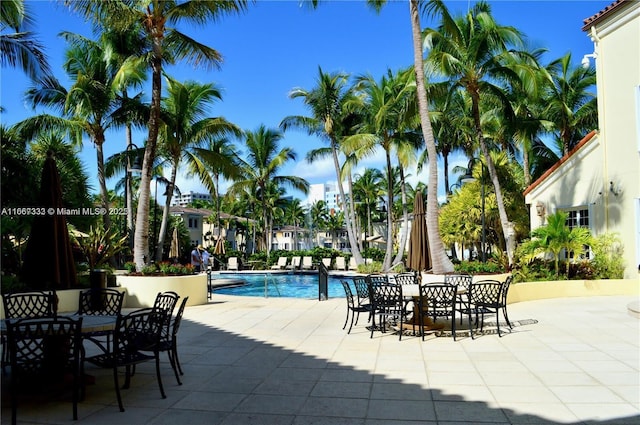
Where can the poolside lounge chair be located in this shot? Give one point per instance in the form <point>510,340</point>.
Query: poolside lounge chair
<point>327,263</point>
<point>232,264</point>
<point>340,263</point>
<point>295,263</point>
<point>307,262</point>
<point>352,264</point>
<point>281,264</point>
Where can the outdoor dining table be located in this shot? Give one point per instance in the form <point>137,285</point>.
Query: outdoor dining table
<point>90,323</point>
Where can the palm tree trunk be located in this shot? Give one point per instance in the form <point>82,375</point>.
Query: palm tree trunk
<point>507,226</point>
<point>357,228</point>
<point>165,214</point>
<point>440,262</point>
<point>104,194</point>
<point>386,264</point>
<point>141,238</point>
<point>405,219</point>
<point>355,251</point>
<point>129,199</point>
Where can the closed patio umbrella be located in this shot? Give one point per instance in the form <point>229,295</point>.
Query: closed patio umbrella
<point>219,248</point>
<point>418,258</point>
<point>48,259</point>
<point>174,250</point>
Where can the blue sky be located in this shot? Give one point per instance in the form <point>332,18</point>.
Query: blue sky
<point>277,45</point>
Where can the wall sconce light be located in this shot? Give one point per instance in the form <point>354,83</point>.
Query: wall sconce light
<point>616,192</point>
<point>540,209</point>
<point>586,63</point>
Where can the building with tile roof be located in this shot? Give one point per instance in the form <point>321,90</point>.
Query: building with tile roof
<point>598,181</point>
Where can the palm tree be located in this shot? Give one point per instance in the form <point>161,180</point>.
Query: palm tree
<point>260,168</point>
<point>333,104</point>
<point>570,106</point>
<point>90,105</point>
<point>390,111</point>
<point>19,47</point>
<point>185,128</point>
<point>294,214</point>
<point>366,194</point>
<point>164,45</point>
<point>439,258</point>
<point>319,217</point>
<point>335,224</point>
<point>220,160</point>
<point>474,52</point>
<point>554,237</point>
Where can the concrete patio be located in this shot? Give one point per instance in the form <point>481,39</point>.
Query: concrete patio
<point>287,361</point>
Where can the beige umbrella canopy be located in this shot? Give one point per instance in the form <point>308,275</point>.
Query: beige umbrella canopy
<point>418,257</point>
<point>219,248</point>
<point>174,250</point>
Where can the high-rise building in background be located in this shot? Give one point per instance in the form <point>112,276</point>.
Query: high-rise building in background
<point>186,198</point>
<point>327,192</point>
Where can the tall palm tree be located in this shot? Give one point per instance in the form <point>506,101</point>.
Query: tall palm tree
<point>332,103</point>
<point>164,45</point>
<point>18,46</point>
<point>335,224</point>
<point>294,214</point>
<point>390,111</point>
<point>220,160</point>
<point>572,108</point>
<point>187,127</point>
<point>474,52</point>
<point>90,106</point>
<point>319,217</point>
<point>262,166</point>
<point>440,261</point>
<point>367,193</point>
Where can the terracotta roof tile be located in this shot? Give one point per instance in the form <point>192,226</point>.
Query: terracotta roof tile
<point>561,161</point>
<point>604,12</point>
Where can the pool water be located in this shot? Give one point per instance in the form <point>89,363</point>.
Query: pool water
<point>279,285</point>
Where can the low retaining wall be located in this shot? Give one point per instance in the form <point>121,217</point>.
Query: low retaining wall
<point>528,291</point>
<point>141,291</point>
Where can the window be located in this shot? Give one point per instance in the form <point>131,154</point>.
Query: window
<point>578,217</point>
<point>193,223</point>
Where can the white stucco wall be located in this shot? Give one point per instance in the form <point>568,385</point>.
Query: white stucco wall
<point>603,175</point>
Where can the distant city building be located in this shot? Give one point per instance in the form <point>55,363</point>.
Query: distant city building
<point>186,198</point>
<point>327,192</point>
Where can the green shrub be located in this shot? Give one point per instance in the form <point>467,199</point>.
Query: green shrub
<point>478,267</point>
<point>607,256</point>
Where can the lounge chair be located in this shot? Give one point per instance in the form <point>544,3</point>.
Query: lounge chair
<point>352,264</point>
<point>327,263</point>
<point>295,263</point>
<point>281,264</point>
<point>340,263</point>
<point>307,263</point>
<point>232,264</point>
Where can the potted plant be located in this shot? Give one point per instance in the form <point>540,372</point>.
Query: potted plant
<point>99,248</point>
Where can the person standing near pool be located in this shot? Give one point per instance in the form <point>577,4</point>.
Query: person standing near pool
<point>205,260</point>
<point>196,258</point>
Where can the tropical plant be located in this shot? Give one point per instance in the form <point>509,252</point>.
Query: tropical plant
<point>187,128</point>
<point>571,107</point>
<point>439,258</point>
<point>163,45</point>
<point>608,259</point>
<point>389,117</point>
<point>260,169</point>
<point>555,237</point>
<point>475,53</point>
<point>101,246</point>
<point>18,46</point>
<point>333,106</point>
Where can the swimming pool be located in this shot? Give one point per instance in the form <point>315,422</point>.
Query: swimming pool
<point>291,285</point>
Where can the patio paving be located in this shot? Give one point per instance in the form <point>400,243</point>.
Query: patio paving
<point>288,361</point>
